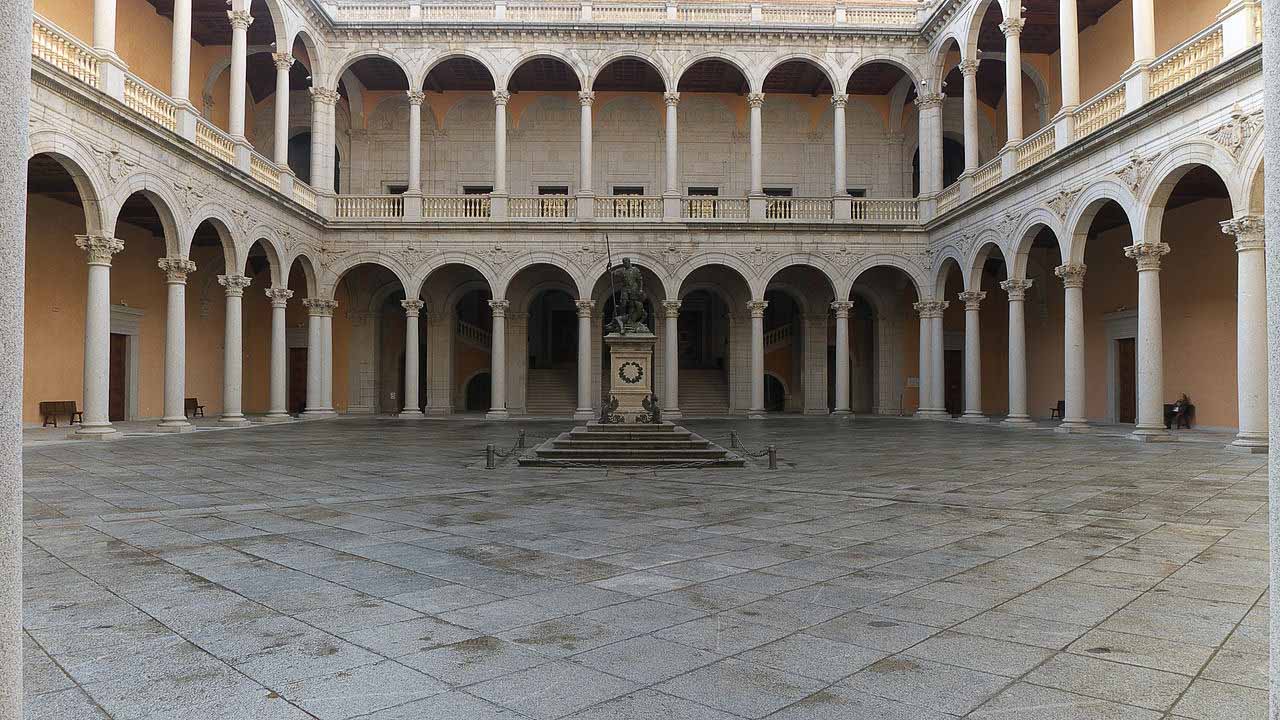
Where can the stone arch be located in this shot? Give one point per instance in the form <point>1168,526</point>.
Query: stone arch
<point>364,53</point>
<point>736,63</point>
<point>973,24</point>
<point>277,13</point>
<point>1030,227</point>
<point>1166,174</point>
<point>914,74</point>
<point>948,253</point>
<point>822,265</point>
<point>727,259</point>
<point>275,267</point>
<point>806,57</point>
<point>157,192</point>
<point>314,51</point>
<point>232,245</point>
<point>308,272</point>
<point>663,70</point>
<point>542,53</point>
<point>418,279</point>
<point>79,164</point>
<point>333,275</point>
<point>1076,228</point>
<point>919,278</point>
<point>534,259</point>
<point>487,63</point>
<point>982,252</point>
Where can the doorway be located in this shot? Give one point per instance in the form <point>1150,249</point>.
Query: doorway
<point>954,381</point>
<point>117,379</point>
<point>1126,380</point>
<point>297,380</point>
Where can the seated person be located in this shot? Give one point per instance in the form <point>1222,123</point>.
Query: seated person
<point>1177,411</point>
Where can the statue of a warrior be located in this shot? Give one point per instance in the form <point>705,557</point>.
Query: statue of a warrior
<point>628,303</point>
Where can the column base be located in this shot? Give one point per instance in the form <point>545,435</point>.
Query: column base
<point>497,414</point>
<point>1018,421</point>
<point>174,426</point>
<point>974,418</point>
<point>672,414</point>
<point>1073,427</point>
<point>1249,444</point>
<point>1147,434</point>
<point>277,417</point>
<point>438,411</point>
<point>234,421</point>
<point>411,415</point>
<point>759,414</point>
<point>588,414</point>
<point>842,412</point>
<point>319,413</point>
<point>95,432</point>
<point>929,414</point>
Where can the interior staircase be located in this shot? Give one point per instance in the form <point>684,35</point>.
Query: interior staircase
<point>703,393</point>
<point>630,444</point>
<point>551,392</point>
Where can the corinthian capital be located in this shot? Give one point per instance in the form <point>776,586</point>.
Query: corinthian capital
<point>324,96</point>
<point>175,268</point>
<point>931,308</point>
<point>501,97</point>
<point>842,308</point>
<point>283,61</point>
<point>1017,289</point>
<point>839,100</point>
<point>1012,27</point>
<point>99,248</point>
<point>235,284</point>
<point>586,98</point>
<point>1072,274</point>
<point>672,99</point>
<point>1248,232</point>
<point>930,100</point>
<point>968,67</point>
<point>756,307</point>
<point>320,307</point>
<point>972,299</point>
<point>584,307</point>
<point>499,307</point>
<point>412,307</point>
<point>1147,254</point>
<point>415,96</point>
<point>240,19</point>
<point>279,297</point>
<point>755,100</point>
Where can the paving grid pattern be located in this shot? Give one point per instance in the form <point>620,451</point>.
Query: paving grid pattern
<point>898,570</point>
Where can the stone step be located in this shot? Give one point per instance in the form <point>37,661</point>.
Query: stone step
<point>726,462</point>
<point>665,445</point>
<point>601,454</point>
<point>631,444</point>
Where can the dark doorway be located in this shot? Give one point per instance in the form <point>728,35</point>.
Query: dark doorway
<point>297,380</point>
<point>775,395</point>
<point>1127,380</point>
<point>116,382</point>
<point>478,393</point>
<point>954,381</point>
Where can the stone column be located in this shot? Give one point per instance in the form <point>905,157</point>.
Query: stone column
<point>233,351</point>
<point>500,99</point>
<point>1012,29</point>
<point>972,300</point>
<point>1144,40</point>
<point>240,22</point>
<point>930,107</point>
<point>672,100</point>
<point>671,360</point>
<point>1251,332</point>
<point>175,270</point>
<point>498,361</point>
<point>583,411</point>
<point>412,410</point>
<point>104,26</point>
<point>926,364</point>
<point>323,102</point>
<point>15,77</point>
<point>756,308</point>
<point>969,71</point>
<point>1150,424</point>
<point>180,54</point>
<point>842,308</point>
<point>937,360</point>
<point>1017,290</point>
<point>283,62</point>
<point>97,337</point>
<point>1271,76</point>
<point>1073,419</point>
<point>317,310</point>
<point>326,355</point>
<point>839,179</point>
<point>279,404</point>
<point>415,142</point>
<point>1069,52</point>
<point>585,187</point>
<point>755,101</point>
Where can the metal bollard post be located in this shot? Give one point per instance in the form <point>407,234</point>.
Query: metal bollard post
<point>489,463</point>
<point>733,439</point>
<point>773,457</point>
<point>520,441</point>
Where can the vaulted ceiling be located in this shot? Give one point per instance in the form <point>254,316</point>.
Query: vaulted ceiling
<point>210,25</point>
<point>1040,34</point>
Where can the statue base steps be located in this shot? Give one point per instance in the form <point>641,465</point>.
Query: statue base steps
<point>630,444</point>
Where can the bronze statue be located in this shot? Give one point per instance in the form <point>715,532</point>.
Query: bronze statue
<point>653,410</point>
<point>628,303</point>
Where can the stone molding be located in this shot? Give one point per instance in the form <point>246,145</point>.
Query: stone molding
<point>175,268</point>
<point>99,248</point>
<point>1072,274</point>
<point>1147,255</point>
<point>1017,288</point>
<point>1248,230</point>
<point>235,284</point>
<point>972,299</point>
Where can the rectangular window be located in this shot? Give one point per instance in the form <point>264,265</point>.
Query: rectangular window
<point>553,189</point>
<point>477,189</point>
<point>857,192</point>
<point>628,189</point>
<point>703,191</point>
<point>777,207</point>
<point>396,189</point>
<point>555,201</point>
<point>777,192</point>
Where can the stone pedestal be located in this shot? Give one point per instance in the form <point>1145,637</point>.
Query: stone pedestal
<point>630,371</point>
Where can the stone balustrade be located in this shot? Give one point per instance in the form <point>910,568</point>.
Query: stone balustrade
<point>1187,61</point>
<point>1036,148</point>
<point>1103,109</point>
<point>215,142</point>
<point>64,52</point>
<point>152,104</point>
<point>453,207</point>
<point>369,207</point>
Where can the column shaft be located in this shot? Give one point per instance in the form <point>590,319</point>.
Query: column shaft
<point>1144,35</point>
<point>175,344</point>
<point>754,102</point>
<point>1251,332</point>
<point>326,375</point>
<point>1013,77</point>
<point>1150,340</point>
<point>1017,290</point>
<point>585,186</point>
<point>1069,44</point>
<point>839,179</point>
<point>756,308</point>
<point>842,403</point>
<point>925,386</point>
<point>1073,347</point>
<point>279,408</point>
<point>315,364</point>
<point>180,63</point>
<point>104,25</point>
<point>412,406</point>
<point>671,359</point>
<point>283,62</point>
<point>498,361</point>
<point>584,411</point>
<point>500,98</point>
<point>972,354</point>
<point>937,356</point>
<point>97,336</point>
<point>240,21</point>
<point>672,100</point>
<point>969,71</point>
<point>233,351</point>
<point>415,142</point>
<point>930,107</point>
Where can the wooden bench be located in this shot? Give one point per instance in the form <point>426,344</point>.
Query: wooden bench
<point>193,408</point>
<point>1058,412</point>
<point>52,410</point>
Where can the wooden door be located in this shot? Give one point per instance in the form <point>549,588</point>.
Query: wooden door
<point>954,381</point>
<point>117,377</point>
<point>297,380</point>
<point>1127,380</point>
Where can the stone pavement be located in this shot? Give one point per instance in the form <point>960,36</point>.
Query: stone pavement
<point>894,570</point>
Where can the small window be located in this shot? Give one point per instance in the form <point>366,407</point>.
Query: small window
<point>553,189</point>
<point>477,189</point>
<point>392,189</point>
<point>554,202</point>
<point>628,189</point>
<point>703,191</point>
<point>777,208</point>
<point>777,192</point>
<point>857,192</point>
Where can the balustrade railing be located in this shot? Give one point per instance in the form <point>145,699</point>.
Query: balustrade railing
<point>475,335</point>
<point>455,206</point>
<point>949,197</point>
<point>701,207</point>
<point>215,142</point>
<point>542,206</point>
<point>369,206</point>
<point>544,12</point>
<point>794,208</point>
<point>1187,61</point>
<point>264,171</point>
<point>304,195</point>
<point>629,12</point>
<point>777,337</point>
<point>458,12</point>
<point>799,15</point>
<point>629,206</point>
<point>150,103</point>
<point>1036,148</point>
<point>987,176</point>
<point>373,12</point>
<point>64,52</point>
<point>885,210</point>
<point>1103,109</point>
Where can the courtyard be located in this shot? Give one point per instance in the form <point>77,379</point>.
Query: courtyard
<point>889,570</point>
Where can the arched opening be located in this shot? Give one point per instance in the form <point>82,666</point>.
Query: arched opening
<point>952,163</point>
<point>543,297</point>
<point>879,141</point>
<point>368,341</point>
<point>799,336</point>
<point>459,96</point>
<point>459,341</point>
<point>950,285</point>
<point>986,276</point>
<point>478,392</point>
<point>1039,34</point>
<point>1110,313</point>
<point>953,129</point>
<point>796,116</point>
<point>296,337</point>
<point>628,118</point>
<point>473,329</point>
<point>714,150</point>
<point>776,397</point>
<point>714,333</point>
<point>372,164</point>
<point>885,360</point>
